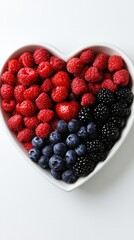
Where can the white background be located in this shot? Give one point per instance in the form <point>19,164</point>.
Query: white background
<point>30,207</point>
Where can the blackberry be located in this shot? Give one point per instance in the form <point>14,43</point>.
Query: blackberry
<point>98,157</point>
<point>108,144</point>
<point>95,146</point>
<point>110,131</point>
<point>124,95</point>
<point>85,115</point>
<point>105,96</point>
<point>119,109</point>
<point>83,166</point>
<point>117,121</point>
<point>101,112</point>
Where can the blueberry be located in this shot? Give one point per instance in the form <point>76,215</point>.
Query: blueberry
<point>47,151</point>
<point>73,125</point>
<point>43,162</point>
<point>91,129</point>
<point>81,150</point>
<point>56,174</point>
<point>82,133</point>
<point>38,142</point>
<point>55,137</point>
<point>56,163</point>
<point>34,154</point>
<point>72,140</point>
<point>70,157</point>
<point>68,176</point>
<point>62,126</point>
<point>60,149</point>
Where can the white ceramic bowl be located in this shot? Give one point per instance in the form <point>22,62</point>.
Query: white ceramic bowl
<point>99,47</point>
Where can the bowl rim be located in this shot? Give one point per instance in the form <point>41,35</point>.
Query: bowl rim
<point>66,57</point>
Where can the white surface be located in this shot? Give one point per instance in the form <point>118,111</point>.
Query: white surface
<point>30,207</point>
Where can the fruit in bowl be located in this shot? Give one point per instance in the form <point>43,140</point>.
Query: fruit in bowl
<point>68,115</point>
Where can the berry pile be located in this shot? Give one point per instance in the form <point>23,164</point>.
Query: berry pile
<point>67,115</point>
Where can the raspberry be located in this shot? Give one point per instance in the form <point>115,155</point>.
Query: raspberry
<point>109,84</point>
<point>121,77</point>
<point>61,79</point>
<point>8,77</point>
<point>94,88</point>
<point>67,110</point>
<point>45,115</point>
<point>46,85</point>
<point>13,65</point>
<point>15,112</point>
<point>32,92</point>
<point>57,64</point>
<point>31,122</point>
<point>26,108</point>
<point>43,130</point>
<point>87,99</point>
<point>15,123</point>
<point>93,75</point>
<point>43,101</point>
<point>115,63</point>
<point>8,105</point>
<point>101,61</point>
<point>108,75</point>
<point>87,56</point>
<point>28,145</point>
<point>44,69</point>
<point>26,59</point>
<point>27,76</point>
<point>53,123</point>
<point>6,91</point>
<point>79,86</point>
<point>82,73</point>
<point>41,55</point>
<point>18,92</point>
<point>74,65</point>
<point>59,94</point>
<point>25,135</point>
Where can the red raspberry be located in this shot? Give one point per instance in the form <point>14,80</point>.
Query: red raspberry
<point>25,135</point>
<point>87,99</point>
<point>45,115</point>
<point>31,122</point>
<point>28,145</point>
<point>101,61</point>
<point>43,130</point>
<point>26,108</point>
<point>8,77</point>
<point>15,112</point>
<point>44,101</point>
<point>93,75</point>
<point>6,91</point>
<point>46,85</point>
<point>79,86</point>
<point>57,64</point>
<point>121,77</point>
<point>115,63</point>
<point>87,56</point>
<point>61,79</point>
<point>108,75</point>
<point>32,92</point>
<point>53,123</point>
<point>18,92</point>
<point>44,69</point>
<point>15,123</point>
<point>27,76</point>
<point>109,84</point>
<point>13,65</point>
<point>75,65</point>
<point>59,94</point>
<point>41,55</point>
<point>8,105</point>
<point>82,73</point>
<point>26,59</point>
<point>94,88</point>
<point>67,110</point>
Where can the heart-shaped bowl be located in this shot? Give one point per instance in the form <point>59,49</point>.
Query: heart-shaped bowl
<point>98,47</point>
